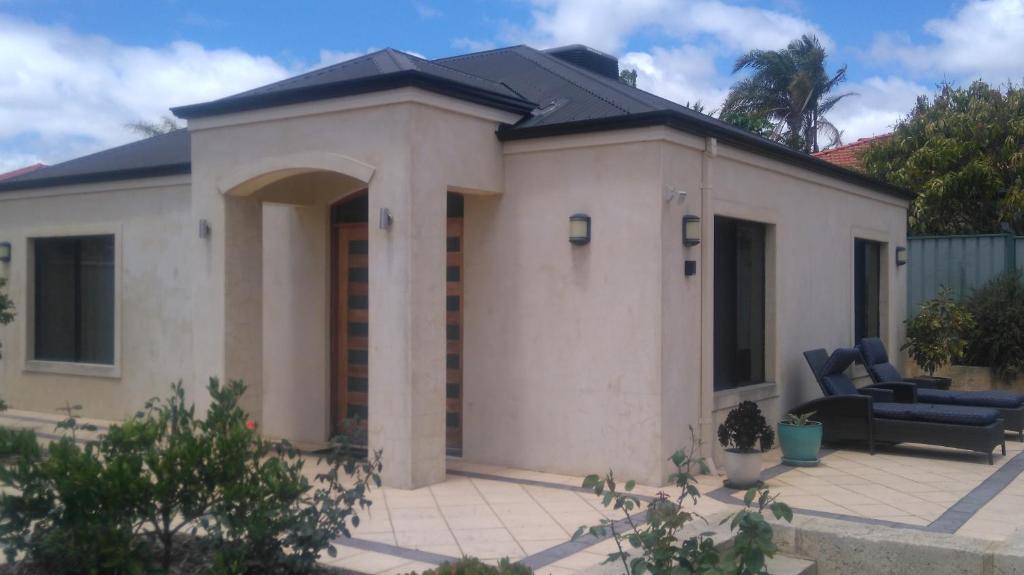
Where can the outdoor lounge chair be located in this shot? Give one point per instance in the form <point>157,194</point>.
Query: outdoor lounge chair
<point>1009,405</point>
<point>883,414</point>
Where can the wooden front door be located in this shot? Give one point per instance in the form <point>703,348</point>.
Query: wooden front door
<point>352,327</point>
<point>453,325</point>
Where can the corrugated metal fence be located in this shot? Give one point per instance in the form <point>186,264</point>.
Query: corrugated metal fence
<point>962,263</point>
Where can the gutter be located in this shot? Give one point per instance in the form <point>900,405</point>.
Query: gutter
<point>89,178</point>
<point>723,132</point>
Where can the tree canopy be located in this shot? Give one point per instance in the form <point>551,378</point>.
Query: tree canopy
<point>962,152</point>
<point>790,89</point>
<point>150,129</point>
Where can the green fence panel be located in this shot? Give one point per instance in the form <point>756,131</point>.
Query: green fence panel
<point>962,263</point>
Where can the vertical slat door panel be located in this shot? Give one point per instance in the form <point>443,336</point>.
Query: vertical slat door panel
<point>453,334</point>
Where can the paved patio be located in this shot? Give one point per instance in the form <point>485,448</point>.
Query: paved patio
<point>492,512</point>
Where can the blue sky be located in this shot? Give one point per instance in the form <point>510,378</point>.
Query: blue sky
<point>73,73</point>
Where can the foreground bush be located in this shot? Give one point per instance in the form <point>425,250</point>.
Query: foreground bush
<point>474,566</point>
<point>996,339</point>
<point>649,538</point>
<point>127,501</point>
<point>936,335</point>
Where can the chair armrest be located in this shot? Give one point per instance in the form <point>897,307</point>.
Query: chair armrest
<point>878,394</point>
<point>902,391</point>
<point>928,382</point>
<point>858,406</point>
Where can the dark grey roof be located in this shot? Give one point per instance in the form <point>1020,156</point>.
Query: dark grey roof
<point>162,155</point>
<point>381,70</point>
<point>553,95</point>
<point>572,99</point>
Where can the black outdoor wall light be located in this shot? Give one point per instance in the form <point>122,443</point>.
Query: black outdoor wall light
<point>5,252</point>
<point>579,229</point>
<point>901,256</point>
<point>691,230</point>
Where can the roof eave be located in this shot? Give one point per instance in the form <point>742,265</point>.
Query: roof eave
<point>681,122</point>
<point>407,78</point>
<point>96,177</point>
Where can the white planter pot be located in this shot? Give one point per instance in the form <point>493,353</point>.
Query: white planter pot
<point>743,469</point>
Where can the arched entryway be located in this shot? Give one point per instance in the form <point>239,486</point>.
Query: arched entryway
<point>350,304</point>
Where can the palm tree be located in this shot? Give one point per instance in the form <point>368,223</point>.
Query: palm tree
<point>790,89</point>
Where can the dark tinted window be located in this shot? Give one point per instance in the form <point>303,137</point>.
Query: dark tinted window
<point>74,299</point>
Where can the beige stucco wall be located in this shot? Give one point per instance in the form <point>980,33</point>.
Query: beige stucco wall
<point>409,148</point>
<point>562,350</point>
<point>151,223</point>
<point>583,358</point>
<point>576,359</point>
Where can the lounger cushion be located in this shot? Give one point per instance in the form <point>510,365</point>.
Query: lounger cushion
<point>1001,399</point>
<point>936,413</point>
<point>833,376</point>
<point>877,360</point>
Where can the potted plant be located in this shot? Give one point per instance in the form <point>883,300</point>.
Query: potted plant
<point>800,439</point>
<point>935,337</point>
<point>744,435</point>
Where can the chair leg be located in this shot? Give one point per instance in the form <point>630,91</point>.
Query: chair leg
<point>990,458</point>
<point>1020,436</point>
<point>1004,447</point>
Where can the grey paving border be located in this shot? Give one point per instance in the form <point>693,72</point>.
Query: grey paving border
<point>396,551</point>
<point>532,482</point>
<point>562,550</point>
<point>949,522</point>
<point>963,510</point>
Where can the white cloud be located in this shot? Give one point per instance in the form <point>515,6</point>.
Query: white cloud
<point>14,161</point>
<point>425,11</point>
<point>879,105</point>
<point>69,94</point>
<point>608,24</point>
<point>683,74</point>
<point>983,39</point>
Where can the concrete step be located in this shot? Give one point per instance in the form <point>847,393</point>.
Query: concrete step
<point>789,565</point>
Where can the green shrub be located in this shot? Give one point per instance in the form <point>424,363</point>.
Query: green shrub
<point>997,338</point>
<point>6,308</point>
<point>657,543</point>
<point>746,427</point>
<point>474,566</point>
<point>936,335</point>
<point>124,502</point>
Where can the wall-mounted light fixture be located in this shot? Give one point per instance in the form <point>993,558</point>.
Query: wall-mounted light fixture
<point>204,229</point>
<point>385,220</point>
<point>691,230</point>
<point>5,252</point>
<point>674,194</point>
<point>901,256</point>
<point>579,229</point>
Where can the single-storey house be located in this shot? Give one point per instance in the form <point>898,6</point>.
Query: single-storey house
<point>509,256</point>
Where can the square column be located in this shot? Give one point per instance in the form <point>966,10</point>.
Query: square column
<point>227,313</point>
<point>407,329</point>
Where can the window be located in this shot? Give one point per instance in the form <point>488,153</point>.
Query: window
<point>74,299</point>
<point>867,287</point>
<point>739,320</point>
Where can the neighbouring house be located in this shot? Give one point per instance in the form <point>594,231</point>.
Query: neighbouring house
<point>21,171</point>
<point>508,256</point>
<point>849,155</point>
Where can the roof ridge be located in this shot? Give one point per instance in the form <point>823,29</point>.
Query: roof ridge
<point>468,75</point>
<point>563,77</point>
<point>480,53</point>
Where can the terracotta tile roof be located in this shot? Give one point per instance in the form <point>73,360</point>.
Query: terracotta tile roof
<point>848,156</point>
<point>21,171</point>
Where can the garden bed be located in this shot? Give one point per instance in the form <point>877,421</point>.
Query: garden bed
<point>192,556</point>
